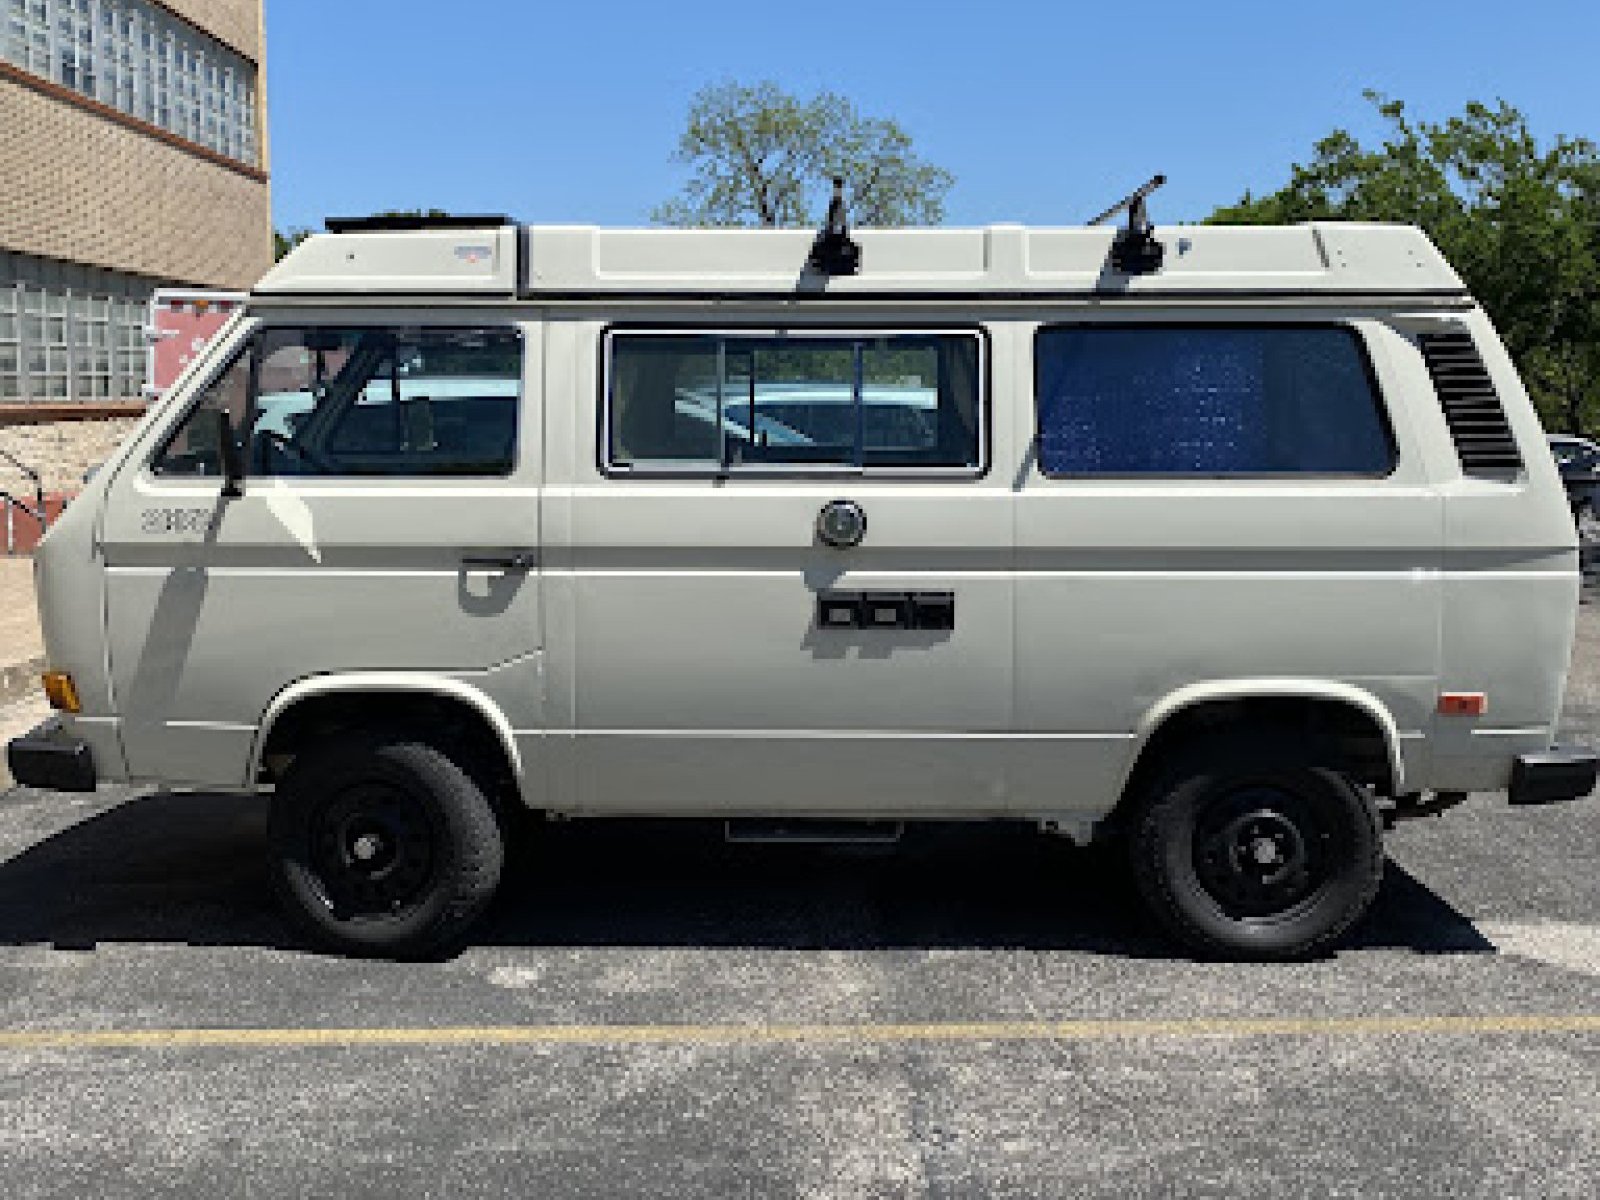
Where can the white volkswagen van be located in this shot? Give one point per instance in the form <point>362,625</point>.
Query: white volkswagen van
<point>1239,547</point>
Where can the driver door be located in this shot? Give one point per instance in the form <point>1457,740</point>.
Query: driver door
<point>380,457</point>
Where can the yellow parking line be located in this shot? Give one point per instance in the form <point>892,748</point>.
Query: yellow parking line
<point>977,1031</point>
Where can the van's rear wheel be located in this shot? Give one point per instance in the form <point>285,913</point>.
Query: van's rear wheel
<point>382,846</point>
<point>1254,852</point>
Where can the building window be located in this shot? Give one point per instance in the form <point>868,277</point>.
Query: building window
<point>70,333</point>
<point>1208,401</point>
<point>139,59</point>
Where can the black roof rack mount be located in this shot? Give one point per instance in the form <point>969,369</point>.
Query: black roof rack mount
<point>406,224</point>
<point>835,252</point>
<point>1135,250</point>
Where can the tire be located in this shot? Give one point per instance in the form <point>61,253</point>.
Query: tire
<point>1248,850</point>
<point>382,846</point>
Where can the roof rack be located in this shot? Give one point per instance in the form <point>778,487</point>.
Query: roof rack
<point>1347,260</point>
<point>407,224</point>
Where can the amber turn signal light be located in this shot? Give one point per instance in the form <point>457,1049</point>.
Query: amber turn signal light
<point>1463,704</point>
<point>61,692</point>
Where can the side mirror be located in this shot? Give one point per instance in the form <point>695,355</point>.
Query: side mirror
<point>228,455</point>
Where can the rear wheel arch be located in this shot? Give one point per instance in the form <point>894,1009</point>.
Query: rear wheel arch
<point>1354,730</point>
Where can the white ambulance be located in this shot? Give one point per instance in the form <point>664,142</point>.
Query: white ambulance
<point>1234,544</point>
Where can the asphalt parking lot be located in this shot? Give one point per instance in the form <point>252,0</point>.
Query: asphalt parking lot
<point>649,1012</point>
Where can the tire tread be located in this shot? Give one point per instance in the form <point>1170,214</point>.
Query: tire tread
<point>475,852</point>
<point>1152,815</point>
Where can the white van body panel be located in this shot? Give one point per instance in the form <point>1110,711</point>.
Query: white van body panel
<point>481,262</point>
<point>662,654</point>
<point>215,606</point>
<point>1132,594</point>
<point>1511,591</point>
<point>1002,260</point>
<point>746,688</point>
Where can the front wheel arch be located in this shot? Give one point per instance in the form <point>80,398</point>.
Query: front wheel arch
<point>454,715</point>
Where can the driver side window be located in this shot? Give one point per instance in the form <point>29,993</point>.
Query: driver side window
<point>193,449</point>
<point>362,401</point>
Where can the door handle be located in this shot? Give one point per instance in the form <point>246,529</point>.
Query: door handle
<point>508,560</point>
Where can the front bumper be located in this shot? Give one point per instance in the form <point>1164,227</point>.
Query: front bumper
<point>50,757</point>
<point>1553,775</point>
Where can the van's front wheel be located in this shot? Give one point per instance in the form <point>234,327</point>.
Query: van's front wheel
<point>1253,852</point>
<point>382,846</point>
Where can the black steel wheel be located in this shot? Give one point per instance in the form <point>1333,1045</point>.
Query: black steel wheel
<point>1251,850</point>
<point>372,850</point>
<point>382,845</point>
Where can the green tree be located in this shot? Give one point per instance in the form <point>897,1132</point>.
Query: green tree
<point>1520,221</point>
<point>759,156</point>
<point>285,240</point>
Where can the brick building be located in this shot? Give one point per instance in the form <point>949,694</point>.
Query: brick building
<point>133,155</point>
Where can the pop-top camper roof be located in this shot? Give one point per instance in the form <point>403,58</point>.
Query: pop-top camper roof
<point>488,259</point>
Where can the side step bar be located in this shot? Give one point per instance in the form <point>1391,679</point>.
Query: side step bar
<point>803,831</point>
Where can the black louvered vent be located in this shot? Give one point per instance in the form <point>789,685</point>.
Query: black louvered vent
<point>1471,408</point>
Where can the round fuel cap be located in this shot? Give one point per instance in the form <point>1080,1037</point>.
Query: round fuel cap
<point>841,524</point>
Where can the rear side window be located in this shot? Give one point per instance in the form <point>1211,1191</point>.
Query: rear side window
<point>725,402</point>
<point>1210,401</point>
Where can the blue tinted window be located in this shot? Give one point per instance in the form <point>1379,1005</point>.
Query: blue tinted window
<point>1207,400</point>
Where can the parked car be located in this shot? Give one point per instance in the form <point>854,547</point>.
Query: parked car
<point>1201,542</point>
<point>1578,460</point>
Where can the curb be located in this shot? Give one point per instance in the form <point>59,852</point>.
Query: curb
<point>18,681</point>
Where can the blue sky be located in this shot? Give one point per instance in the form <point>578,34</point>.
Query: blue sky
<point>1045,112</point>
